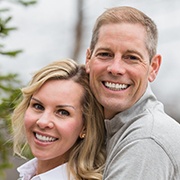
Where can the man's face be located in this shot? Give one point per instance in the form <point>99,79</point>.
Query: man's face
<point>119,67</point>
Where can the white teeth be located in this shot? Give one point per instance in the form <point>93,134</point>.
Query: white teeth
<point>115,86</point>
<point>44,138</point>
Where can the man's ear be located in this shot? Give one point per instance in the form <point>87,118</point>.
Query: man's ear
<point>88,56</point>
<point>154,67</point>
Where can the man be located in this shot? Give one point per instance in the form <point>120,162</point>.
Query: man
<point>143,142</point>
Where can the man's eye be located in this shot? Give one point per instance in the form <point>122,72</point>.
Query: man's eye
<point>131,57</point>
<point>63,112</point>
<point>104,54</point>
<point>38,106</point>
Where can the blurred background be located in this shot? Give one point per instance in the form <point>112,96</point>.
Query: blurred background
<point>40,31</point>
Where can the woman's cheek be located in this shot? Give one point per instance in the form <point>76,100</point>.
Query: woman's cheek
<point>28,119</point>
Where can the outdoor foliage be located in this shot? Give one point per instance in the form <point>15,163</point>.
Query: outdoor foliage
<point>8,94</point>
<point>9,87</point>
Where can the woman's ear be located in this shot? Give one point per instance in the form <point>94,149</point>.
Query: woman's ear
<point>88,56</point>
<point>82,134</point>
<point>154,67</point>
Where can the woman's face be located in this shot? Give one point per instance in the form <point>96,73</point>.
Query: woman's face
<point>53,120</point>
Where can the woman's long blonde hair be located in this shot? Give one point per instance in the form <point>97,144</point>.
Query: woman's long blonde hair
<point>87,158</point>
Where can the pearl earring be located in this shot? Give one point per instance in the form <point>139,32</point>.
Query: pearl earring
<point>82,136</point>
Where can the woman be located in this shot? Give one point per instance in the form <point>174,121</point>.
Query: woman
<point>63,124</point>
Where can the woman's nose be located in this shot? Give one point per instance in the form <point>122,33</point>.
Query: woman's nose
<point>45,121</point>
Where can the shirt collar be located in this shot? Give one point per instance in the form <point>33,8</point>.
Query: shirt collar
<point>27,171</point>
<point>125,118</point>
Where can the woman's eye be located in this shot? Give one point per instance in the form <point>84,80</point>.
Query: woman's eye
<point>63,112</point>
<point>38,106</point>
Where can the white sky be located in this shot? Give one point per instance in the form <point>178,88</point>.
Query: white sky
<point>45,33</point>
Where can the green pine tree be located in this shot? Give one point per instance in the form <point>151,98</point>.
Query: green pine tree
<point>9,89</point>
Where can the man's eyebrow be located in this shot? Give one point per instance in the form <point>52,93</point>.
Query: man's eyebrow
<point>103,48</point>
<point>136,52</point>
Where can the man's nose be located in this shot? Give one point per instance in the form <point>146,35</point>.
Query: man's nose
<point>116,67</point>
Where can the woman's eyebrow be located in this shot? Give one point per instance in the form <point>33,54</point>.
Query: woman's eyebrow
<point>33,98</point>
<point>58,106</point>
<point>65,105</point>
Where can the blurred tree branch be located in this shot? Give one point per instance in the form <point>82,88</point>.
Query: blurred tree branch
<point>78,29</point>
